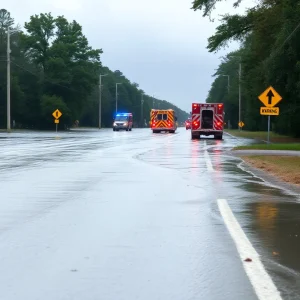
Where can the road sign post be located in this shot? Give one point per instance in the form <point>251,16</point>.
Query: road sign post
<point>269,98</point>
<point>56,114</point>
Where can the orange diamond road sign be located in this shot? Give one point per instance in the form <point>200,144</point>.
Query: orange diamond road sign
<point>57,114</point>
<point>269,97</point>
<point>241,124</point>
<point>269,111</point>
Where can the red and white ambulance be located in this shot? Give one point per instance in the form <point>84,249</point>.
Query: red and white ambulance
<point>207,119</point>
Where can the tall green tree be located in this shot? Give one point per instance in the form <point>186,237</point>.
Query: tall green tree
<point>269,53</point>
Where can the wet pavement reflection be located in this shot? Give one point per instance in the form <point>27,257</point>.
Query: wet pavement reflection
<point>132,215</point>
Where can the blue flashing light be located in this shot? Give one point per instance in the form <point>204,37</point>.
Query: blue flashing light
<point>123,114</point>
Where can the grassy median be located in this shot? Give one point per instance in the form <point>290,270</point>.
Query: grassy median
<point>263,136</point>
<point>286,168</point>
<point>283,146</point>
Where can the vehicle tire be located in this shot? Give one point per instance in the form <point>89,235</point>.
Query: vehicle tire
<point>186,128</point>
<point>114,129</point>
<point>195,136</point>
<point>127,129</point>
<point>171,131</point>
<point>130,129</point>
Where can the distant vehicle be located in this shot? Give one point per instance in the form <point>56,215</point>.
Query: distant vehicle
<point>188,124</point>
<point>163,120</point>
<point>207,119</point>
<point>123,121</point>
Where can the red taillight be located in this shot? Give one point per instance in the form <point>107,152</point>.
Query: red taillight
<point>195,124</point>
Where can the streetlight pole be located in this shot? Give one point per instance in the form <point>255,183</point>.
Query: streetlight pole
<point>8,80</point>
<point>100,100</point>
<point>117,96</point>
<point>142,111</point>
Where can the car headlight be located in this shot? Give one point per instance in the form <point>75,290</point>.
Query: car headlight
<point>115,124</point>
<point>125,124</point>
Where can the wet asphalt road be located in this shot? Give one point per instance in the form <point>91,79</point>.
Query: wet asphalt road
<point>131,215</point>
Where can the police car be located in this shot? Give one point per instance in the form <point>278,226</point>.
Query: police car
<point>123,121</point>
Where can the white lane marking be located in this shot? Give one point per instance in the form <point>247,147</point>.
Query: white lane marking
<point>207,159</point>
<point>259,278</point>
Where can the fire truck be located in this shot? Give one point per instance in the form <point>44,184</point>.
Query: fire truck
<point>207,119</point>
<point>163,120</point>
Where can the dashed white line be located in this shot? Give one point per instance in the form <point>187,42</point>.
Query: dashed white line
<point>207,159</point>
<point>259,278</point>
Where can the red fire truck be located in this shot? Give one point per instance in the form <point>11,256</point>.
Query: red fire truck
<point>207,119</point>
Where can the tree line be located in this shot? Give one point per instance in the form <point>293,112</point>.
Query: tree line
<point>54,67</point>
<point>269,55</point>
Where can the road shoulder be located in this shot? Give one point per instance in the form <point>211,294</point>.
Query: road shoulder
<point>269,178</point>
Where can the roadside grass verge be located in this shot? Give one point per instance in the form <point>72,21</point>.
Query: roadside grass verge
<point>283,146</point>
<point>263,136</point>
<point>286,168</point>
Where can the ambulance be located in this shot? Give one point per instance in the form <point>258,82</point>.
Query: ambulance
<point>123,121</point>
<point>163,120</point>
<point>207,119</point>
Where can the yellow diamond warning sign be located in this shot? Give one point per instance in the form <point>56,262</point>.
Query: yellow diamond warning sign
<point>57,114</point>
<point>269,111</point>
<point>270,97</point>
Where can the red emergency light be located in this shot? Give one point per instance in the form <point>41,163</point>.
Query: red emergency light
<point>220,109</point>
<point>196,108</point>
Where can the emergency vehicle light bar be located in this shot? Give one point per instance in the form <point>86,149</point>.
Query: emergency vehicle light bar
<point>123,114</point>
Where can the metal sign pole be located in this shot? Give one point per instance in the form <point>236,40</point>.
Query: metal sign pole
<point>268,129</point>
<point>56,127</point>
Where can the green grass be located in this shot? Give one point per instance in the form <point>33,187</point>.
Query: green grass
<point>263,136</point>
<point>283,146</point>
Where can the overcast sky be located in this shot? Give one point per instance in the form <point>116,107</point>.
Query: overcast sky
<point>159,44</point>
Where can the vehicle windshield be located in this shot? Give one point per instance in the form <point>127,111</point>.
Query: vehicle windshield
<point>121,118</point>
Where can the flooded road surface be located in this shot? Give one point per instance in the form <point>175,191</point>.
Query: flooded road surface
<point>131,215</point>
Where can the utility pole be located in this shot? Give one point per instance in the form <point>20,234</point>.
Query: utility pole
<point>9,32</point>
<point>240,88</point>
<point>8,80</point>
<point>240,92</point>
<point>117,97</point>
<point>100,102</point>
<point>142,111</point>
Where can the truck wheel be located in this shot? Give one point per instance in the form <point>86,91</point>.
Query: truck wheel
<point>195,136</point>
<point>171,131</point>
